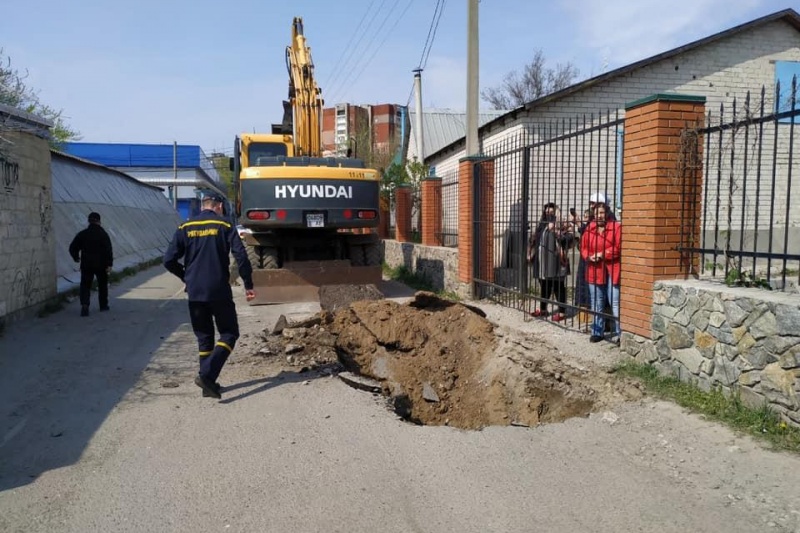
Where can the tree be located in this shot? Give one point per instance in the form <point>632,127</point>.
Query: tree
<point>535,81</point>
<point>16,93</point>
<point>223,168</point>
<point>363,146</point>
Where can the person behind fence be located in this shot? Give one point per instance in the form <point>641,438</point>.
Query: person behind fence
<point>92,248</point>
<point>581,298</point>
<point>601,246</point>
<point>205,242</point>
<point>547,252</point>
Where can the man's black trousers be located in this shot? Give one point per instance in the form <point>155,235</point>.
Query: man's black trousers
<point>214,354</point>
<point>87,276</point>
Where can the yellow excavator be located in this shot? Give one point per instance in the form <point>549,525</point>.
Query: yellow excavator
<point>308,220</point>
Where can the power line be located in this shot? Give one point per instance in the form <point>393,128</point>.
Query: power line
<point>338,73</point>
<point>385,37</point>
<point>430,30</point>
<point>433,38</point>
<point>352,36</point>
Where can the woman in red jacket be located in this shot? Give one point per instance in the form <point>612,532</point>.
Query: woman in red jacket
<point>600,248</point>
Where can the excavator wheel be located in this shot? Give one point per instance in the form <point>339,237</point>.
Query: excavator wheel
<point>356,253</point>
<point>373,255</point>
<point>269,257</point>
<point>255,257</point>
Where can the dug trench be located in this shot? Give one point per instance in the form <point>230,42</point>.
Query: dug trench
<point>436,361</point>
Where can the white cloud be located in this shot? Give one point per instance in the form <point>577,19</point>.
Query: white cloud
<point>623,32</point>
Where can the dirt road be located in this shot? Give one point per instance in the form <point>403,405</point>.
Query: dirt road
<point>101,429</point>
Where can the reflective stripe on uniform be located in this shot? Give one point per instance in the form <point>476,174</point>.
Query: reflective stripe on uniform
<point>220,343</point>
<point>205,354</point>
<point>201,222</point>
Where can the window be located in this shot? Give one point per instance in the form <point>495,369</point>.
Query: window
<point>258,150</point>
<point>785,72</point>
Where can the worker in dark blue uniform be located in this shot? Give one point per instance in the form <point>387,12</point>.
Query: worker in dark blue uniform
<point>205,242</point>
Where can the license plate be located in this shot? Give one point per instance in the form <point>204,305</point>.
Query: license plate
<point>316,220</point>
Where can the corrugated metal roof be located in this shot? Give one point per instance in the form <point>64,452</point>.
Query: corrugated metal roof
<point>122,155</point>
<point>442,127</point>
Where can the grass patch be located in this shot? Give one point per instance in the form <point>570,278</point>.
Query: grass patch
<point>53,306</point>
<point>415,281</point>
<point>762,423</point>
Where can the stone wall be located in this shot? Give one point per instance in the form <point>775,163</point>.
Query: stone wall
<point>437,264</point>
<point>746,341</point>
<point>27,265</point>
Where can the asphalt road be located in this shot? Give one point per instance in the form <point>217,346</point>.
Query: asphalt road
<point>102,429</point>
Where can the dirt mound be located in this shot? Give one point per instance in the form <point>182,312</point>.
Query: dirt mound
<point>335,297</point>
<point>441,362</point>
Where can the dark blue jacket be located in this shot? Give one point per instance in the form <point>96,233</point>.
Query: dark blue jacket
<point>205,242</point>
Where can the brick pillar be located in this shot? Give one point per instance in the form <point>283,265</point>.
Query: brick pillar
<point>466,223</point>
<point>402,215</point>
<point>654,185</point>
<point>384,218</point>
<point>432,211</point>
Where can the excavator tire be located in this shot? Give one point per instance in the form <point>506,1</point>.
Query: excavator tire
<point>269,258</point>
<point>373,255</point>
<point>356,253</point>
<point>254,255</point>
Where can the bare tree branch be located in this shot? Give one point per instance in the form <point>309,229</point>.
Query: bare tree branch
<point>535,81</point>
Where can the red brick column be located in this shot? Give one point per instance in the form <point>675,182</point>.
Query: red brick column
<point>432,211</point>
<point>485,215</point>
<point>384,218</point>
<point>402,215</point>
<point>656,186</point>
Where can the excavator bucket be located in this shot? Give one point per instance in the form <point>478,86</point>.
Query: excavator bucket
<point>300,281</point>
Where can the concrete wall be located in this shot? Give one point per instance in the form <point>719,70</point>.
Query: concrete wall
<point>746,341</point>
<point>27,265</point>
<point>138,217</point>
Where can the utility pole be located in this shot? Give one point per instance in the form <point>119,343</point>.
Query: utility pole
<point>175,174</point>
<point>420,138</point>
<point>472,78</point>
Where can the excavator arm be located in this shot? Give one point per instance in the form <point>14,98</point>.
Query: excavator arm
<point>305,97</point>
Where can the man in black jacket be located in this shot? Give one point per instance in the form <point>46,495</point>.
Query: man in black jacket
<point>206,242</point>
<point>91,247</point>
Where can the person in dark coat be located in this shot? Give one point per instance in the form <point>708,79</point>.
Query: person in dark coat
<point>547,252</point>
<point>205,243</point>
<point>91,248</point>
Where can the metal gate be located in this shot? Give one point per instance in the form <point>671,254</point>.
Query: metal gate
<point>562,163</point>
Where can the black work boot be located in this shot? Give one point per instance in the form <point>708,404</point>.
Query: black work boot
<point>84,310</point>
<point>216,386</point>
<point>209,389</point>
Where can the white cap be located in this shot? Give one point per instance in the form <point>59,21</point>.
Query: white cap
<point>598,198</point>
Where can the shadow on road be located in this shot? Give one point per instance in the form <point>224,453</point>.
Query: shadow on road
<point>62,375</point>
<point>281,378</point>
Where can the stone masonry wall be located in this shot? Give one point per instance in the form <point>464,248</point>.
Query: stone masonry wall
<point>437,264</point>
<point>746,341</point>
<point>27,261</point>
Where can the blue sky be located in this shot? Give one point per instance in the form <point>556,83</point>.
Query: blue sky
<point>201,71</point>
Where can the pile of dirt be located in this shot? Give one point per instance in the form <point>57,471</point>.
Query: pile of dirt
<point>443,363</point>
<point>335,297</point>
